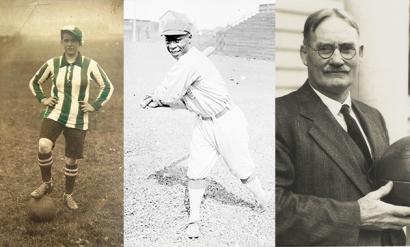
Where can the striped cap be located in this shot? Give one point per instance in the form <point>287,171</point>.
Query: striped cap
<point>176,26</point>
<point>75,31</point>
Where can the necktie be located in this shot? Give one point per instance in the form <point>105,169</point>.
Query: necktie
<point>355,133</point>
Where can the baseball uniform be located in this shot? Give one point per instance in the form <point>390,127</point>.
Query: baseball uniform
<point>194,83</point>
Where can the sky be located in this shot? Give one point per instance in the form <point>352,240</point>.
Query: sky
<point>204,14</point>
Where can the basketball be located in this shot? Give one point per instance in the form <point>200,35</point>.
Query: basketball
<point>395,166</point>
<point>41,210</point>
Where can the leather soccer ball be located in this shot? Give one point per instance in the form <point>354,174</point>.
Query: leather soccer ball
<point>395,166</point>
<point>41,210</point>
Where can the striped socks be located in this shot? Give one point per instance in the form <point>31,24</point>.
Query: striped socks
<point>45,161</point>
<point>70,172</point>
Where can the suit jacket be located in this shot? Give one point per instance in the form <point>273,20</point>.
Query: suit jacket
<point>318,173</point>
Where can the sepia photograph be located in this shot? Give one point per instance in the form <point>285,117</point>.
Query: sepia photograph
<point>342,148</point>
<point>61,130</point>
<point>198,123</point>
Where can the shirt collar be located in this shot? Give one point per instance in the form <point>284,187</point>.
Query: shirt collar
<point>333,105</point>
<point>78,61</point>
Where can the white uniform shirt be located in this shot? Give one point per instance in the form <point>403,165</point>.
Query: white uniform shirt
<point>335,107</point>
<point>195,84</point>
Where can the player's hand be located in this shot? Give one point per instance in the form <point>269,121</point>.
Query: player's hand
<point>86,107</point>
<point>378,215</point>
<point>51,101</point>
<point>148,101</point>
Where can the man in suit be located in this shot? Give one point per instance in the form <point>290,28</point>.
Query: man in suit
<point>326,145</point>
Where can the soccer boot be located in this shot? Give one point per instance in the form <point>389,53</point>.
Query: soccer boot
<point>43,189</point>
<point>69,201</point>
<point>192,230</point>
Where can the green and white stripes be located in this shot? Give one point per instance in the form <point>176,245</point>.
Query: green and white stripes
<point>71,84</point>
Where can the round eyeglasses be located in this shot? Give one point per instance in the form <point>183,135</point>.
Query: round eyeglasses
<point>326,51</point>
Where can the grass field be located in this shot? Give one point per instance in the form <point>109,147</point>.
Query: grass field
<point>99,186</point>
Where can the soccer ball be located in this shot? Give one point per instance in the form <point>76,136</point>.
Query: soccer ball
<point>395,166</point>
<point>41,210</point>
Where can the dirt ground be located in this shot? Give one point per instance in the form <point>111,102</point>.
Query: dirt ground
<point>99,187</point>
<point>156,145</point>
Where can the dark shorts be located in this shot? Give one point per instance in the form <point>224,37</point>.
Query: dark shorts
<point>74,138</point>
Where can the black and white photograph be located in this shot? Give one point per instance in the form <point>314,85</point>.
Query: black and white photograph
<point>342,148</point>
<point>61,130</point>
<point>198,123</point>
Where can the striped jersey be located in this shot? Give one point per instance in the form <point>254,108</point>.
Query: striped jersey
<point>71,84</point>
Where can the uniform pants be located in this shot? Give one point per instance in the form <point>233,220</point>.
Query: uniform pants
<point>226,136</point>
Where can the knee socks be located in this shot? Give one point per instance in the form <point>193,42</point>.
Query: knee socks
<point>71,172</point>
<point>196,189</point>
<point>45,161</point>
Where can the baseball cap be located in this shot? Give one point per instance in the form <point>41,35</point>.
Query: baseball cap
<point>176,27</point>
<point>75,31</point>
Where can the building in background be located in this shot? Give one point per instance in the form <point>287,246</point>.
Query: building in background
<point>249,36</point>
<point>290,18</point>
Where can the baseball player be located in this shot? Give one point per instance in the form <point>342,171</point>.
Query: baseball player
<point>67,108</point>
<point>194,83</point>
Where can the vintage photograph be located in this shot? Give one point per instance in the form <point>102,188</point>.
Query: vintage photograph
<point>61,131</point>
<point>198,122</point>
<point>341,117</point>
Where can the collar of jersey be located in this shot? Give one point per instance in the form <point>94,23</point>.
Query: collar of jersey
<point>78,61</point>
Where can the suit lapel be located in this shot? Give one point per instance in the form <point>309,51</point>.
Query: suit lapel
<point>330,136</point>
<point>368,122</point>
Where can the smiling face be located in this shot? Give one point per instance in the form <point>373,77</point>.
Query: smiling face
<point>178,45</point>
<point>70,44</point>
<point>332,76</point>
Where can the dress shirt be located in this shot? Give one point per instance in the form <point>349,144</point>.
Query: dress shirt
<point>335,107</point>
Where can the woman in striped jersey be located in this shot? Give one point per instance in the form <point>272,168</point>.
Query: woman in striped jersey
<point>67,108</point>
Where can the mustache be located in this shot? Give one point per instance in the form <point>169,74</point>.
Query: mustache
<point>336,70</point>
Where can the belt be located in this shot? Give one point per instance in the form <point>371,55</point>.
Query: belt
<point>218,115</point>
